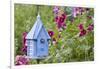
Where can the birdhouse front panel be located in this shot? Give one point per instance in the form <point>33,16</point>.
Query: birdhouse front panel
<point>42,43</point>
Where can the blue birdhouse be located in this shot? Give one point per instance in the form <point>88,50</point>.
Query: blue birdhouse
<point>37,41</point>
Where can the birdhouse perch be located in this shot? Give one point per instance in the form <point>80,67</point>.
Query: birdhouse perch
<point>37,41</point>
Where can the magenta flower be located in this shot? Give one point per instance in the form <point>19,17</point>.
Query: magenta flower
<point>81,27</point>
<point>90,27</point>
<point>51,33</point>
<point>24,40</point>
<point>60,21</point>
<point>82,32</point>
<point>21,60</point>
<point>24,48</point>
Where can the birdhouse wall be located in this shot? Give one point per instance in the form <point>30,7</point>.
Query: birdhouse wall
<point>31,49</point>
<point>42,43</point>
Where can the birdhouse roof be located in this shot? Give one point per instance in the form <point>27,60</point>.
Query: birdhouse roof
<point>33,33</point>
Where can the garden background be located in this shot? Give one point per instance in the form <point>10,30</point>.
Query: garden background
<point>70,28</point>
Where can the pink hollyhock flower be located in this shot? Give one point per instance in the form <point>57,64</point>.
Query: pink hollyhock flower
<point>24,48</point>
<point>60,21</point>
<point>24,40</point>
<point>90,27</point>
<point>82,32</point>
<point>80,26</point>
<point>51,33</point>
<point>21,60</point>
